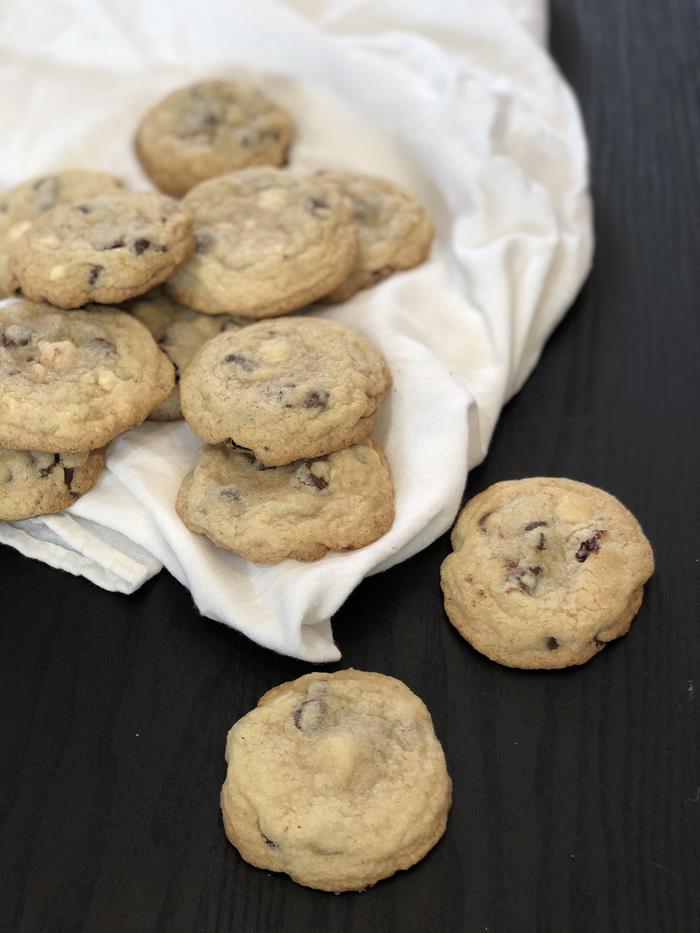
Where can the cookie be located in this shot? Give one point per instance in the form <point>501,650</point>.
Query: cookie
<point>286,390</point>
<point>208,129</point>
<point>72,380</point>
<point>545,572</point>
<point>302,510</point>
<point>179,332</point>
<point>338,780</point>
<point>34,483</point>
<point>20,206</point>
<point>394,230</point>
<point>268,242</point>
<point>103,249</point>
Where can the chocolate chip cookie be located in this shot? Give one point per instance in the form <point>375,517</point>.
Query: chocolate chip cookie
<point>335,503</point>
<point>268,242</point>
<point>338,780</point>
<point>545,572</point>
<point>35,483</point>
<point>103,249</point>
<point>287,390</point>
<point>20,206</point>
<point>394,230</point>
<point>72,380</point>
<point>208,129</point>
<point>179,332</point>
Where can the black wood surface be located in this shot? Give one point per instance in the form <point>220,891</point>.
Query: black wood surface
<point>577,793</point>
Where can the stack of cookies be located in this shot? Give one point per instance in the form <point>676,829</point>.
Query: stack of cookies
<point>286,406</point>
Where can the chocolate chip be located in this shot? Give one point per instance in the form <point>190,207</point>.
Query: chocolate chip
<point>82,208</point>
<point>204,240</point>
<point>47,190</point>
<point>316,204</point>
<point>311,715</point>
<point>161,248</point>
<point>99,343</point>
<point>141,245</point>
<point>47,471</point>
<point>48,181</point>
<point>94,274</point>
<point>231,492</point>
<point>540,543</point>
<point>116,245</point>
<point>482,521</point>
<point>244,362</point>
<point>520,578</point>
<point>306,476</point>
<point>538,524</point>
<point>16,335</point>
<point>552,643</point>
<point>317,399</point>
<point>177,371</point>
<point>590,546</point>
<point>68,477</point>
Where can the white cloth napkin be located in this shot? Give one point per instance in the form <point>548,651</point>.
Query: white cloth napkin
<point>457,101</point>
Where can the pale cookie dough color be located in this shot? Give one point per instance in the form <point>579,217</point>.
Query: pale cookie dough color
<point>34,483</point>
<point>72,380</point>
<point>394,230</point>
<point>336,503</point>
<point>268,242</point>
<point>287,389</point>
<point>104,249</point>
<point>179,332</point>
<point>20,206</point>
<point>208,129</point>
<point>337,780</point>
<point>545,572</point>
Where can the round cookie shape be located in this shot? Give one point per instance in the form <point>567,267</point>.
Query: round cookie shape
<point>208,129</point>
<point>394,230</point>
<point>268,242</point>
<point>287,390</point>
<point>20,206</point>
<point>338,780</point>
<point>179,332</point>
<point>35,483</point>
<point>103,249</point>
<point>302,510</point>
<point>70,381</point>
<point>545,572</point>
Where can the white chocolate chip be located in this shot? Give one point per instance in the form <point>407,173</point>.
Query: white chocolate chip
<point>574,509</point>
<point>14,233</point>
<point>57,272</point>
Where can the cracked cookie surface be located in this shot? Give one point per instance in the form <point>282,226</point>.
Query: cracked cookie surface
<point>208,129</point>
<point>336,503</point>
<point>287,389</point>
<point>545,572</point>
<point>35,483</point>
<point>268,242</point>
<point>102,249</point>
<point>72,380</point>
<point>338,780</point>
<point>21,205</point>
<point>394,230</point>
<point>179,332</point>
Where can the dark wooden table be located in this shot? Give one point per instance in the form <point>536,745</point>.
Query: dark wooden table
<point>577,793</point>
